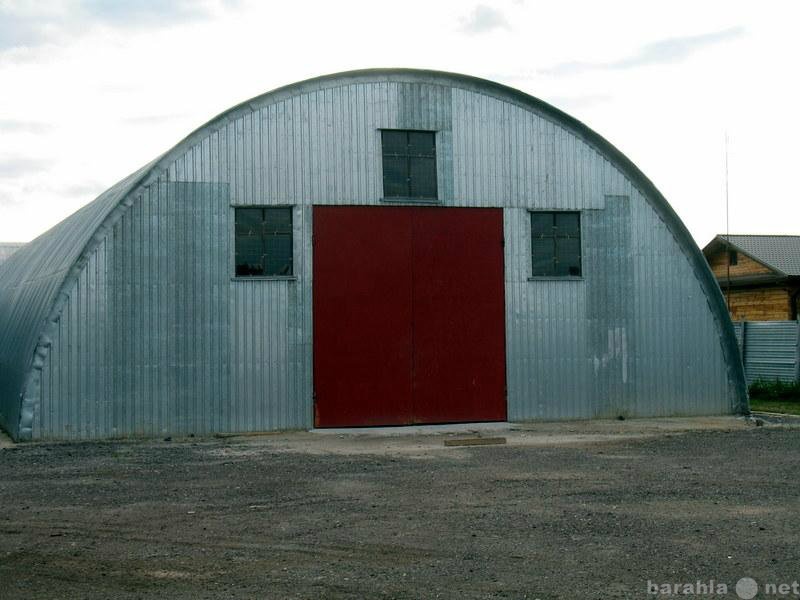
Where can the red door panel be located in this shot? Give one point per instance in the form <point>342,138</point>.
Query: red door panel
<point>362,316</point>
<point>408,315</point>
<point>459,315</point>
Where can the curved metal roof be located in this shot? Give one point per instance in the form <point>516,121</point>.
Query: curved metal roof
<point>34,280</point>
<point>31,281</point>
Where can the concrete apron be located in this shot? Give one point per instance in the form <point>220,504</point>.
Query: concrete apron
<point>459,428</point>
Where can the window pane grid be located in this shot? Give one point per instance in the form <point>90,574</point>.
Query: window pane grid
<point>409,164</point>
<point>556,244</point>
<point>263,242</point>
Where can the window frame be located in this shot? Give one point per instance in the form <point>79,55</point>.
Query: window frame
<point>733,257</point>
<point>408,198</point>
<point>233,261</point>
<point>531,276</point>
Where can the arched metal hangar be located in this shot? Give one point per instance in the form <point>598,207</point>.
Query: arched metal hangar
<point>375,247</point>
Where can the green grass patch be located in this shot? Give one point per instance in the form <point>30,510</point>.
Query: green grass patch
<point>775,396</point>
<point>789,408</point>
<point>775,391</point>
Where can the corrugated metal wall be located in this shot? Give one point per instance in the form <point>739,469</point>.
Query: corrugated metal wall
<point>629,339</point>
<point>157,337</point>
<point>30,282</point>
<point>770,349</point>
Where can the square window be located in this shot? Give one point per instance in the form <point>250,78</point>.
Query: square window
<point>556,244</point>
<point>544,254</point>
<point>263,241</point>
<point>542,224</point>
<point>409,164</point>
<point>568,257</point>
<point>421,143</point>
<point>568,224</point>
<point>395,176</point>
<point>248,221</point>
<point>422,177</point>
<point>394,142</point>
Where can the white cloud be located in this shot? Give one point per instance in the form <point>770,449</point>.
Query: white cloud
<point>28,24</point>
<point>14,167</point>
<point>668,50</point>
<point>484,19</point>
<point>14,126</point>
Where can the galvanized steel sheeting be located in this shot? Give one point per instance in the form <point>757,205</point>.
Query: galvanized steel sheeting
<point>30,282</point>
<point>149,342</point>
<point>770,349</point>
<point>609,345</point>
<point>157,338</point>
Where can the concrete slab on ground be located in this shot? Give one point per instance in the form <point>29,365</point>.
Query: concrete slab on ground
<point>422,441</point>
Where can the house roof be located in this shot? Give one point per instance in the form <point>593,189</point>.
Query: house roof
<point>779,252</point>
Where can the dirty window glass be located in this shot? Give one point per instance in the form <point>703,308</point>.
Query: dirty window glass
<point>263,242</point>
<point>556,244</point>
<point>409,164</point>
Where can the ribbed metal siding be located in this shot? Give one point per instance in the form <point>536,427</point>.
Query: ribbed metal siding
<point>634,337</point>
<point>738,329</point>
<point>318,148</point>
<point>679,361</point>
<point>546,335</point>
<point>771,349</point>
<point>156,337</point>
<point>631,338</point>
<point>270,344</point>
<point>30,281</point>
<point>324,148</point>
<point>506,155</point>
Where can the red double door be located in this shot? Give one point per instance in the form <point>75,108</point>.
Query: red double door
<point>408,315</point>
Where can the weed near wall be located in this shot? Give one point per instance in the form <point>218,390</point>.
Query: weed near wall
<point>776,390</point>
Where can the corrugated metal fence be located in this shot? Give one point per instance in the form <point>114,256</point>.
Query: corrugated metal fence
<point>770,349</point>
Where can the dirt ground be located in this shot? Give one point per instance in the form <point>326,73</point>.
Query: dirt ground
<point>566,510</point>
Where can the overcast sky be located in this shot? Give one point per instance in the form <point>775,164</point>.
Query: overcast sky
<point>91,90</point>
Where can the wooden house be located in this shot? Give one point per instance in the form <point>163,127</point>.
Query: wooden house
<point>759,275</point>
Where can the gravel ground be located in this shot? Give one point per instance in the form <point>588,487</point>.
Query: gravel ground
<point>591,510</point>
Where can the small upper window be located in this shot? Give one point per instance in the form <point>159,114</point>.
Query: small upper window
<point>409,164</point>
<point>556,244</point>
<point>733,257</point>
<point>263,242</point>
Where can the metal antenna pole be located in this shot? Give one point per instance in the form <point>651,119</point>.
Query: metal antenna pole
<point>727,229</point>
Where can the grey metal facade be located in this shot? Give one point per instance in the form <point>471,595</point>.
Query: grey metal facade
<point>138,327</point>
<point>770,349</point>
